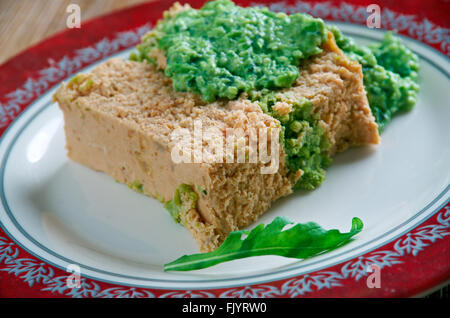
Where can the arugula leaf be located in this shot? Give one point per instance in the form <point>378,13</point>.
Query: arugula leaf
<point>300,241</point>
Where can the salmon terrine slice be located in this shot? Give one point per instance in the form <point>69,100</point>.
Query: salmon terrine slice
<point>120,119</point>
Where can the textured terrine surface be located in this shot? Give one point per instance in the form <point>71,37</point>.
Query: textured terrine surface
<point>119,119</point>
<point>122,123</point>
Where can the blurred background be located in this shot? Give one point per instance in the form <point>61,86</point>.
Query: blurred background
<point>44,18</point>
<point>26,22</point>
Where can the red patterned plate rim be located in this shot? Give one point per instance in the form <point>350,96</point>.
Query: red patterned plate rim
<point>110,34</point>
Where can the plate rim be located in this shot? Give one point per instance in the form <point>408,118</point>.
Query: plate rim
<point>42,103</point>
<point>10,126</point>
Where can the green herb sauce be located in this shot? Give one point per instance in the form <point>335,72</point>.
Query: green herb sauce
<point>177,206</point>
<point>390,72</point>
<point>222,50</point>
<point>137,186</point>
<point>304,141</point>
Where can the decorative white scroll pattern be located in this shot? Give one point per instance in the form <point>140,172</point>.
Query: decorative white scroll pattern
<point>58,70</point>
<point>33,271</point>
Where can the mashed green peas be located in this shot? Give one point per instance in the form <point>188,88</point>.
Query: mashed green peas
<point>223,50</point>
<point>390,73</point>
<point>177,206</point>
<point>303,139</point>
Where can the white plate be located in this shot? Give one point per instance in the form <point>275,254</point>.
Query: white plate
<point>65,213</point>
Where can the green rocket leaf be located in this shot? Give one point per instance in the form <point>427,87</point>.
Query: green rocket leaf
<point>300,241</point>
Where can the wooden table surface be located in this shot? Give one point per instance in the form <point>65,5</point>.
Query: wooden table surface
<point>26,22</point>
